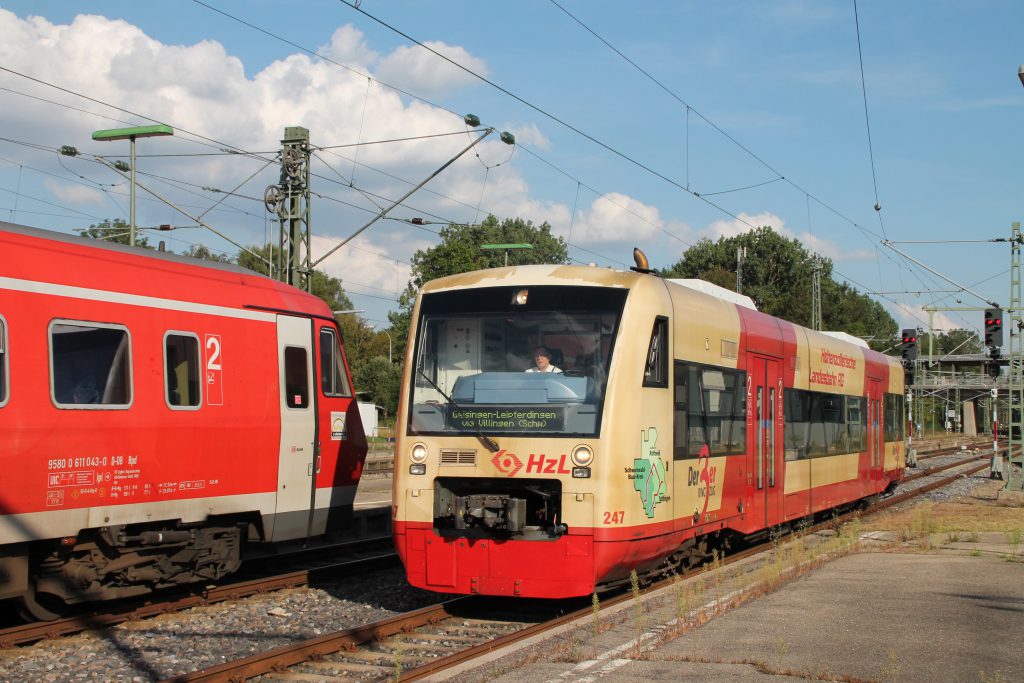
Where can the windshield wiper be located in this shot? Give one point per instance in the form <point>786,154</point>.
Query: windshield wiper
<point>489,443</point>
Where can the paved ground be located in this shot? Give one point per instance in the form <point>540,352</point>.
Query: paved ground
<point>951,615</point>
<point>373,491</point>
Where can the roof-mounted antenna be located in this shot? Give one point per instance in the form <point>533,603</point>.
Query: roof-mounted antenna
<point>642,265</point>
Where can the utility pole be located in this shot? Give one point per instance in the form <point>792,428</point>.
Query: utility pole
<point>1016,423</point>
<point>289,199</point>
<point>741,253</point>
<point>816,322</point>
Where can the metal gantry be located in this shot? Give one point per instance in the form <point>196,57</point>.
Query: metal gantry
<point>289,199</point>
<point>1016,400</point>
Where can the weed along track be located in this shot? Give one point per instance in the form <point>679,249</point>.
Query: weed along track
<point>456,636</point>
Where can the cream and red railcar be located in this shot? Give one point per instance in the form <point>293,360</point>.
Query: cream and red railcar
<point>679,419</point>
<point>159,417</point>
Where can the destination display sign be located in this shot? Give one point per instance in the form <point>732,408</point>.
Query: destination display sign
<point>507,418</point>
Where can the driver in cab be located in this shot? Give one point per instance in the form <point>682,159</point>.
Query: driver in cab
<point>542,361</point>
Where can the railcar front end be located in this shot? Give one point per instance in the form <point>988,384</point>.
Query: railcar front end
<point>676,420</point>
<point>498,467</point>
<point>161,419</point>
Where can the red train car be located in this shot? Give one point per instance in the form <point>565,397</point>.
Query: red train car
<point>161,417</point>
<point>675,420</point>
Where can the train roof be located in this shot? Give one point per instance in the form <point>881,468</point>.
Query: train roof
<point>611,277</point>
<point>90,243</point>
<point>516,275</point>
<point>146,272</point>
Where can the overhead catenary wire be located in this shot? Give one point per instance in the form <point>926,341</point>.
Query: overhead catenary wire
<point>729,137</point>
<point>547,114</point>
<point>179,183</point>
<point>421,99</point>
<point>867,118</point>
<point>412,95</point>
<point>574,211</point>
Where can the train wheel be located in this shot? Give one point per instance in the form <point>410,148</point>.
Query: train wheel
<point>34,606</point>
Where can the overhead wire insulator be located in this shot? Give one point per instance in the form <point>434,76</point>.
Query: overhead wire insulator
<point>68,151</point>
<point>472,120</point>
<point>508,138</point>
<point>292,162</point>
<point>122,166</point>
<point>272,198</point>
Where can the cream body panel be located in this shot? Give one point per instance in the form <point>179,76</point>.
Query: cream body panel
<point>700,324</point>
<point>634,465</point>
<point>834,366</point>
<point>821,471</point>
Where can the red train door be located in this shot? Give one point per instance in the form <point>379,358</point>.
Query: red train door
<point>341,443</point>
<point>295,482</point>
<point>876,452</point>
<point>765,400</point>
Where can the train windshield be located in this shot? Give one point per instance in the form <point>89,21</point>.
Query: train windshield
<point>480,360</point>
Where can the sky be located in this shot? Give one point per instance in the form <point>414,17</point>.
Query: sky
<point>653,124</point>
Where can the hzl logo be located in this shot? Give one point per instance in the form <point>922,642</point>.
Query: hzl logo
<point>509,465</point>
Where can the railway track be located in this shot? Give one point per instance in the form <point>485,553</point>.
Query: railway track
<point>420,644</point>
<point>311,568</point>
<point>982,445</point>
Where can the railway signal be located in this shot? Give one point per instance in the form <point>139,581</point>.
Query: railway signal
<point>993,328</point>
<point>908,350</point>
<point>909,347</point>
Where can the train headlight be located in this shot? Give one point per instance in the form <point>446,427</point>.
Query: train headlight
<point>520,297</point>
<point>418,454</point>
<point>582,455</point>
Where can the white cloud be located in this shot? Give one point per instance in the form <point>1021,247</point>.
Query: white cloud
<point>202,90</point>
<point>529,134</point>
<point>76,194</point>
<point>914,316</point>
<point>742,224</point>
<point>348,47</point>
<point>363,266</point>
<point>814,244</point>
<point>614,217</point>
<point>205,94</point>
<point>421,71</point>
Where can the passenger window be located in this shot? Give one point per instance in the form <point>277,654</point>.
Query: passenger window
<point>333,381</point>
<point>894,420</point>
<point>679,413</point>
<point>181,375</point>
<point>90,365</point>
<point>820,424</point>
<point>296,382</point>
<point>710,410</point>
<point>3,362</point>
<point>856,422</point>
<point>656,369</point>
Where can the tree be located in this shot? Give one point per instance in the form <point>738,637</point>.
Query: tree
<point>778,276</point>
<point>358,338</point>
<point>116,230</point>
<point>378,381</point>
<point>459,252</point>
<point>204,253</point>
<point>954,342</point>
<point>324,286</point>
